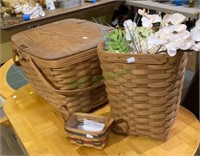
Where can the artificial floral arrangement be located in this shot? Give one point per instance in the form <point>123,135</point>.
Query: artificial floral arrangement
<point>157,35</point>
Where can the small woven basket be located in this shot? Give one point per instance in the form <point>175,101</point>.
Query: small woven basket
<point>145,93</point>
<point>87,138</point>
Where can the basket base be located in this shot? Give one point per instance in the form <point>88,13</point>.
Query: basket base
<point>124,129</point>
<point>73,141</point>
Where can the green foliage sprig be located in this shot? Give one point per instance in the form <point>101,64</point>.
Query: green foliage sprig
<point>115,41</point>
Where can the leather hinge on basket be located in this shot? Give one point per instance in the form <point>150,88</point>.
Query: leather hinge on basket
<point>17,53</point>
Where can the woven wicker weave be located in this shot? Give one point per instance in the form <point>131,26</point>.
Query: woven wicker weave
<point>61,64</point>
<point>87,138</point>
<point>144,95</point>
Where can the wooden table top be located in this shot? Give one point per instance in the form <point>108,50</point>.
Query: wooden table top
<point>5,89</point>
<point>39,127</point>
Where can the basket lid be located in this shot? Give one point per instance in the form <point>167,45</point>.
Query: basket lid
<point>60,39</point>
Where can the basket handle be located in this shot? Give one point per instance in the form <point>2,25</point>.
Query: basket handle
<point>48,85</point>
<point>118,129</point>
<point>110,121</point>
<point>64,115</point>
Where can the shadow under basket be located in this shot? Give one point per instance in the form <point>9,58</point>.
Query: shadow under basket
<point>88,138</point>
<point>144,95</point>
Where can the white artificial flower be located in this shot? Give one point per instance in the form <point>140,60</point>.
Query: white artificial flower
<point>157,40</point>
<point>195,32</point>
<point>174,19</point>
<point>186,44</point>
<point>152,48</point>
<point>173,37</point>
<point>142,12</point>
<point>129,26</point>
<point>181,41</point>
<point>171,48</point>
<point>166,20</point>
<point>196,46</point>
<point>148,20</point>
<point>177,28</point>
<point>177,18</point>
<point>154,18</point>
<point>181,36</point>
<point>161,37</point>
<point>198,24</point>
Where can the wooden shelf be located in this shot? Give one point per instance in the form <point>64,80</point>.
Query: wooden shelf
<point>58,14</point>
<point>164,7</point>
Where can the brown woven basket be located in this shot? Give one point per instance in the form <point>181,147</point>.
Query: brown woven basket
<point>144,95</point>
<point>61,64</point>
<point>87,138</point>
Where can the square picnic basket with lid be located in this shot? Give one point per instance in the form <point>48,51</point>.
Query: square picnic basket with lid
<point>60,61</point>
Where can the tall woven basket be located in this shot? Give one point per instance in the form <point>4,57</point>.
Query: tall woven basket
<point>61,64</point>
<point>144,95</point>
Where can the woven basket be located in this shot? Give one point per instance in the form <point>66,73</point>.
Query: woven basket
<point>144,95</point>
<point>61,64</point>
<point>87,138</point>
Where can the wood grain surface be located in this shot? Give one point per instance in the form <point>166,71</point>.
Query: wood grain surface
<point>40,129</point>
<point>60,39</point>
<point>5,89</point>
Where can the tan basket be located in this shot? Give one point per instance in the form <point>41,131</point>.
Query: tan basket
<point>87,138</point>
<point>60,61</point>
<point>144,95</point>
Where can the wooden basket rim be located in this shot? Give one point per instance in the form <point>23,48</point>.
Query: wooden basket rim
<point>101,45</point>
<point>106,127</point>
